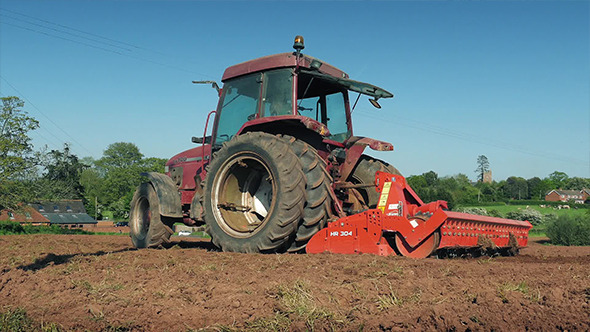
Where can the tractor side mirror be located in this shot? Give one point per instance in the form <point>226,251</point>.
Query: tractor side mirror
<point>199,140</point>
<point>375,103</point>
<point>213,85</point>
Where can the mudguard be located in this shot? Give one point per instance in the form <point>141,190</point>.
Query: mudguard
<point>168,195</point>
<point>355,147</point>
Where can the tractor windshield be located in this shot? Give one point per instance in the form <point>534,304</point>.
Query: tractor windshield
<point>325,102</point>
<point>239,104</point>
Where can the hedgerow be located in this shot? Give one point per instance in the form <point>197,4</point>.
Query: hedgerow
<point>569,230</point>
<point>13,228</point>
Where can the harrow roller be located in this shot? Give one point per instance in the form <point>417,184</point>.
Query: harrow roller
<point>402,224</point>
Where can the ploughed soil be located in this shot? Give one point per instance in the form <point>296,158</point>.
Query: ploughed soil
<point>92,282</point>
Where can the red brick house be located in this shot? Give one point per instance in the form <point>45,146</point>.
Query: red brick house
<point>559,195</point>
<point>28,216</point>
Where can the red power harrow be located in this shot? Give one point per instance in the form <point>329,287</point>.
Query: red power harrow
<point>404,225</point>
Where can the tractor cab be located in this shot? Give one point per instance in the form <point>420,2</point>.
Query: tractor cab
<point>288,87</point>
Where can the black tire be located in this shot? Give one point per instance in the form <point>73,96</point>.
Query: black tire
<point>254,194</point>
<point>364,173</point>
<point>147,227</point>
<point>317,188</point>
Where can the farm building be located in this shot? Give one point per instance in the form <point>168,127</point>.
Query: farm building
<point>65,213</point>
<point>28,216</point>
<point>558,195</point>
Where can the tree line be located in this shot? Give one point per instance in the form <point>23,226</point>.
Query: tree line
<point>27,175</point>
<point>459,190</point>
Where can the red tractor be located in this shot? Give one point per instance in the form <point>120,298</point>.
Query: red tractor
<point>281,164</point>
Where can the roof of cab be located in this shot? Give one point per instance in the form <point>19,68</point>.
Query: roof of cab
<point>281,60</point>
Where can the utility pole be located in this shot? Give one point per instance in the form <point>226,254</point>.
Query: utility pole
<point>95,208</point>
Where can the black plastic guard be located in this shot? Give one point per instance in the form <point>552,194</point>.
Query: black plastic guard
<point>170,205</point>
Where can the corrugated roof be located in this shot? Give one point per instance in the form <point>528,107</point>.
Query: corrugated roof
<point>69,218</point>
<point>62,206</point>
<point>568,192</point>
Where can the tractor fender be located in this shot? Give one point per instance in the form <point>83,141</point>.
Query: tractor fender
<point>168,195</point>
<point>289,120</point>
<point>355,147</point>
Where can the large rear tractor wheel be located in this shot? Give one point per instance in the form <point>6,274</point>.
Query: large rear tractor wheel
<point>147,226</point>
<point>364,173</point>
<point>254,194</point>
<point>319,202</point>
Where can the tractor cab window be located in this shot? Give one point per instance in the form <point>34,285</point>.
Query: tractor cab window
<point>324,102</point>
<point>239,104</point>
<point>277,93</point>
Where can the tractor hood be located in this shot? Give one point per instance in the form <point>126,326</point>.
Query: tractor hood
<point>352,85</point>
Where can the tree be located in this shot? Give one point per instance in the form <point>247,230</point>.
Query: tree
<point>516,188</point>
<point>114,177</point>
<point>431,178</point>
<point>92,183</point>
<point>483,166</point>
<point>120,155</point>
<point>487,192</point>
<point>559,179</point>
<point>544,188</point>
<point>15,144</point>
<point>16,151</point>
<point>536,189</point>
<point>577,183</point>
<point>62,180</point>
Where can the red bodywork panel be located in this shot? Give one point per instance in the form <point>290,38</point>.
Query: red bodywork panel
<point>307,122</point>
<point>191,162</point>
<point>278,61</point>
<point>367,232</point>
<point>356,149</point>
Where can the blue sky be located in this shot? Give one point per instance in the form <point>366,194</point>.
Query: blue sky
<point>509,80</point>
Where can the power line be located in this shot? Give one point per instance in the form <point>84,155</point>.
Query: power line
<point>70,28</point>
<point>64,32</point>
<point>48,118</point>
<point>119,50</point>
<point>421,125</point>
<point>59,37</point>
<point>81,31</point>
<point>37,133</point>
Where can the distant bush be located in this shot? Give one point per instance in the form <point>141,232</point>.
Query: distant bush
<point>13,228</point>
<point>489,203</point>
<point>570,231</point>
<point>549,218</point>
<point>474,210</point>
<point>495,213</point>
<point>8,227</point>
<point>481,211</point>
<point>533,216</point>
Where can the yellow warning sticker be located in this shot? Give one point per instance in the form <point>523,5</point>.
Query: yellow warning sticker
<point>384,195</point>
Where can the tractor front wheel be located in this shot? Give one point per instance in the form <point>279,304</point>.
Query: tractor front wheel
<point>254,194</point>
<point>147,228</point>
